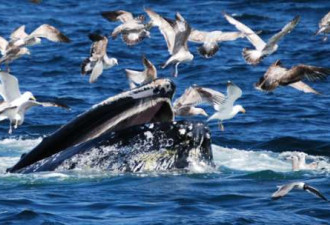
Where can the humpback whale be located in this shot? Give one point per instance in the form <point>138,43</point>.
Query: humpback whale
<point>131,132</point>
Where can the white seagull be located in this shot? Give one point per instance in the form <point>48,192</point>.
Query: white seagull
<point>324,26</point>
<point>283,190</point>
<point>211,40</point>
<point>16,104</point>
<point>142,77</point>
<point>193,96</point>
<point>226,109</point>
<point>98,59</point>
<point>176,35</point>
<point>262,49</point>
<point>132,29</point>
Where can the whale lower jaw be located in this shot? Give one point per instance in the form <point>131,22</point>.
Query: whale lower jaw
<point>154,147</point>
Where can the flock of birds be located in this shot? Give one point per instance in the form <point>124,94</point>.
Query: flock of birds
<point>177,33</point>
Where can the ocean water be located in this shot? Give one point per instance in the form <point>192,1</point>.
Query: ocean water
<point>250,155</point>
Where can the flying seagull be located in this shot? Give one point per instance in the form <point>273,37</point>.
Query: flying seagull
<point>132,29</point>
<point>262,49</point>
<point>193,96</point>
<point>98,59</point>
<point>283,190</point>
<point>19,40</point>
<point>12,53</point>
<point>324,26</point>
<point>211,40</point>
<point>142,77</point>
<point>16,104</point>
<point>226,109</point>
<point>176,35</point>
<point>277,75</point>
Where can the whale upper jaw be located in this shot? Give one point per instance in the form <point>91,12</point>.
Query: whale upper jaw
<point>146,104</point>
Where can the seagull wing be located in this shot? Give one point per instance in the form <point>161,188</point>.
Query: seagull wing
<point>9,88</point>
<point>301,86</point>
<point>283,190</point>
<point>18,33</point>
<point>49,32</point>
<point>96,72</point>
<point>198,95</point>
<point>120,15</point>
<point>228,36</point>
<point>136,77</point>
<point>311,73</point>
<point>182,31</point>
<point>314,191</point>
<point>99,46</point>
<point>53,104</point>
<point>285,30</point>
<point>165,28</point>
<point>325,21</point>
<point>197,36</point>
<point>3,45</point>
<point>255,40</point>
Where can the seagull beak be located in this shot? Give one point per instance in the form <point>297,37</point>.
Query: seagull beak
<point>243,110</point>
<point>33,98</point>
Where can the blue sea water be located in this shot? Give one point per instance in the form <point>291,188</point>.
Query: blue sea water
<point>250,155</point>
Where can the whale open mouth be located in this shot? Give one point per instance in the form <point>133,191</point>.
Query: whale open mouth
<point>149,103</point>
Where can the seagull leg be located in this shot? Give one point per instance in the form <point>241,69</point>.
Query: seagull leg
<point>10,131</point>
<point>221,127</point>
<point>16,124</point>
<point>176,69</point>
<point>325,38</point>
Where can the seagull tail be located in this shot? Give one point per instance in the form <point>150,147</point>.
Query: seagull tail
<point>252,56</point>
<point>208,52</point>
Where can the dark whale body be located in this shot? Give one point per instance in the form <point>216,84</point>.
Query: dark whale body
<point>106,136</point>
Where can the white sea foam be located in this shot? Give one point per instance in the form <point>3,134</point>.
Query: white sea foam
<point>248,160</point>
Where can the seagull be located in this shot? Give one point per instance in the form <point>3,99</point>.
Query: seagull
<point>142,77</point>
<point>283,190</point>
<point>277,75</point>
<point>302,162</point>
<point>20,38</point>
<point>211,39</point>
<point>98,59</point>
<point>193,96</point>
<point>16,104</point>
<point>324,26</point>
<point>132,29</point>
<point>226,109</point>
<point>262,49</point>
<point>176,35</point>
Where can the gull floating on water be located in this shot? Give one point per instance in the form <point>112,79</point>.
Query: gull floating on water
<point>193,96</point>
<point>16,104</point>
<point>211,40</point>
<point>142,77</point>
<point>324,26</point>
<point>262,49</point>
<point>132,29</point>
<point>98,59</point>
<point>277,75</point>
<point>283,190</point>
<point>176,35</point>
<point>226,109</point>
